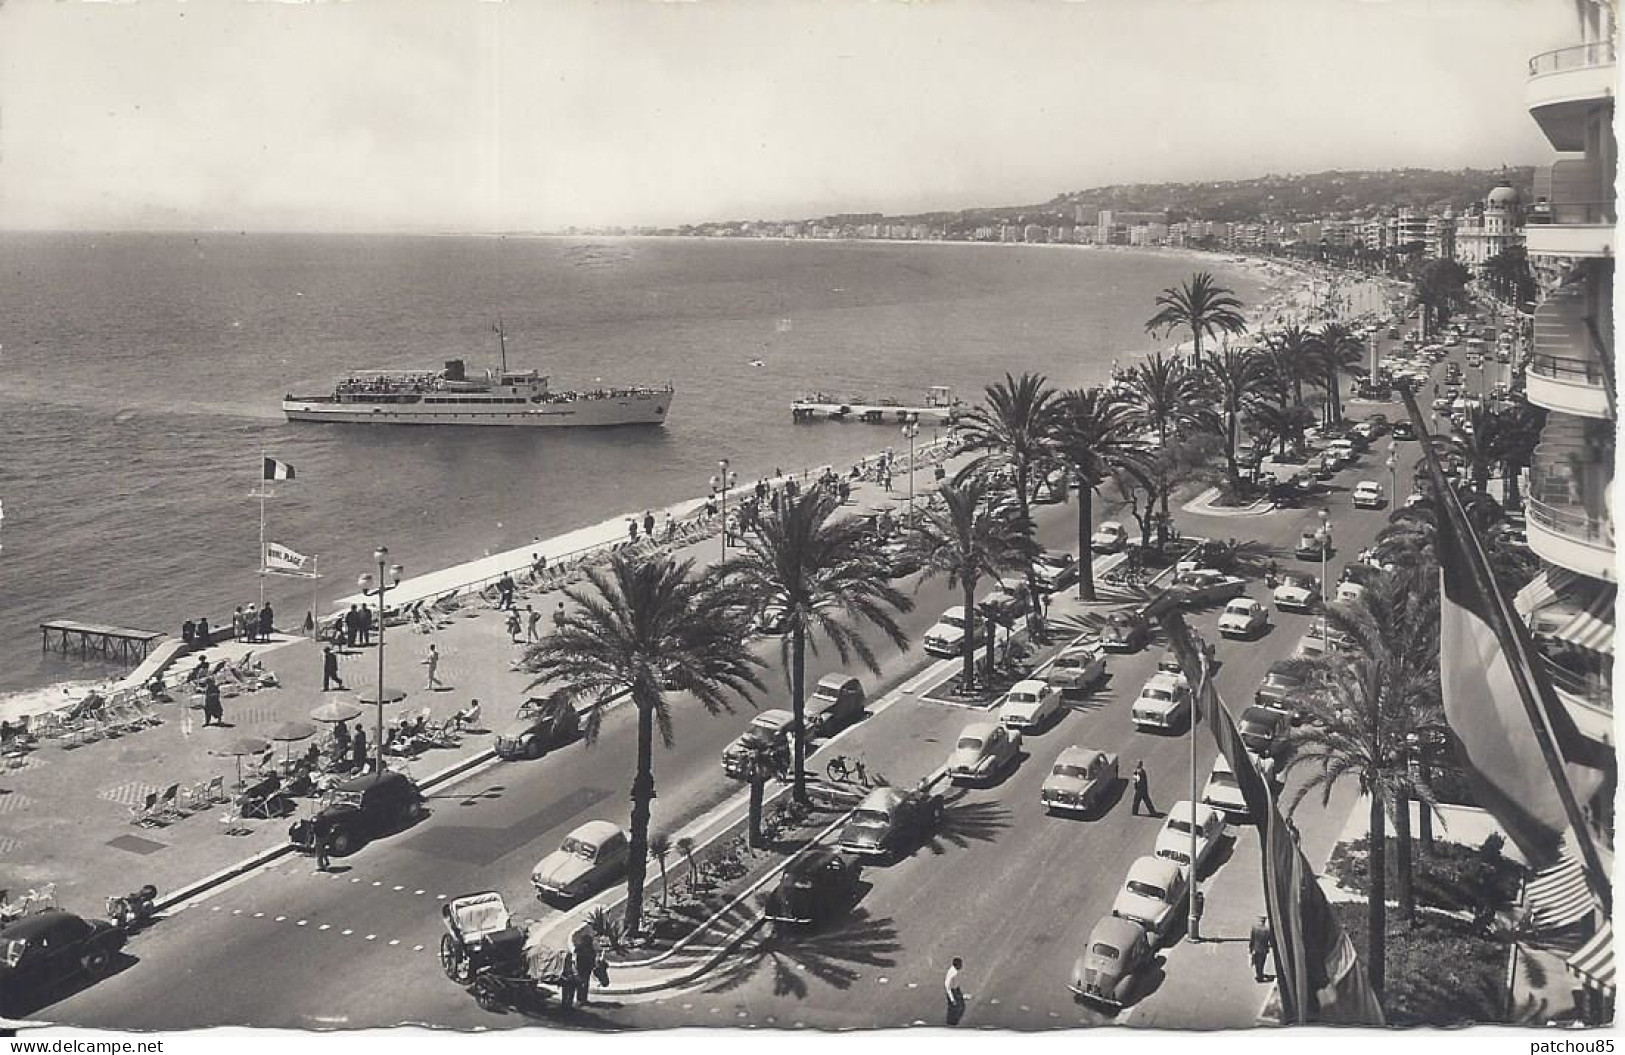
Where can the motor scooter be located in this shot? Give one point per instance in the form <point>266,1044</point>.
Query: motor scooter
<point>134,910</point>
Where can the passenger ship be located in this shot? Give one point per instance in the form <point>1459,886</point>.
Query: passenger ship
<point>500,397</point>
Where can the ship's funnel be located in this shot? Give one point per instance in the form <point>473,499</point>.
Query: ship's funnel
<point>454,370</point>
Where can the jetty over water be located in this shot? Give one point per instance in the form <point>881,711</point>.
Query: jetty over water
<point>120,644</point>
<point>937,408</point>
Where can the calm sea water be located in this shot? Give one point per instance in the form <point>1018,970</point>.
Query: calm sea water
<point>140,377</point>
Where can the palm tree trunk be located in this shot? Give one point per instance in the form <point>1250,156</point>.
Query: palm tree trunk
<point>1086,552</point>
<point>1402,835</point>
<point>643,793</point>
<point>1230,435</point>
<point>798,708</point>
<point>1377,909</point>
<point>757,780</point>
<point>1026,516</point>
<point>968,645</point>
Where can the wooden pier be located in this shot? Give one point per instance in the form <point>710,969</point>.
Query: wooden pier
<point>118,644</point>
<point>938,408</point>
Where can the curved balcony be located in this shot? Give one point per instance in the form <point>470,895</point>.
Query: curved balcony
<point>1564,373</point>
<point>1565,85</point>
<point>1570,480</point>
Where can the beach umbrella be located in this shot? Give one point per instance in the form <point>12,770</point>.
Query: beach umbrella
<point>335,711</point>
<point>243,745</point>
<point>373,697</point>
<point>291,733</point>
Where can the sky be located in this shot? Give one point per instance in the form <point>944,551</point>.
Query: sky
<point>474,115</point>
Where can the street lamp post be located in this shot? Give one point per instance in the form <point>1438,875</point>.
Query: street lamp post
<point>1393,477</point>
<point>381,555</point>
<point>911,430</point>
<point>721,483</point>
<point>1325,567</point>
<point>1193,927</point>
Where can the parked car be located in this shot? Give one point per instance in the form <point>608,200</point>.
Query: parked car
<point>1125,631</point>
<point>815,887</point>
<point>773,619</point>
<point>1009,605</point>
<point>836,701</point>
<point>1055,570</point>
<point>982,752</point>
<point>1349,592</point>
<point>1264,730</point>
<point>1110,537</point>
<point>1280,688</point>
<point>1206,587</point>
<point>1319,639</point>
<point>891,821</point>
<point>1118,953</point>
<point>1163,703</point>
<point>589,859</point>
<point>1297,592</point>
<point>1029,705</point>
<point>541,724</point>
<point>1223,792</point>
<point>1152,895</point>
<point>1244,617</point>
<point>769,731</point>
<point>1080,778</point>
<point>1312,545</point>
<point>947,637</point>
<point>1404,430</point>
<point>1076,670</point>
<point>1368,495</point>
<point>360,809</point>
<point>1174,840</point>
<point>41,950</point>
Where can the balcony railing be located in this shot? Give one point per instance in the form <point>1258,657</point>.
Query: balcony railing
<point>1593,691</point>
<point>1576,57</point>
<point>1574,212</point>
<point>1566,368</point>
<point>1571,521</point>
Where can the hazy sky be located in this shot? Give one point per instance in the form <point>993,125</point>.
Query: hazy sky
<point>472,115</point>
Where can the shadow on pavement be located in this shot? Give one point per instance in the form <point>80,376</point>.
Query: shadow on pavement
<point>833,955</point>
<point>964,823</point>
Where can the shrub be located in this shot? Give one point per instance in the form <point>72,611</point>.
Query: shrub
<point>1440,973</point>
<point>1450,877</point>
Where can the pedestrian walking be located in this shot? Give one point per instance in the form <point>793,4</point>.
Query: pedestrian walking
<point>631,530</point>
<point>558,616</point>
<point>188,633</point>
<point>330,669</point>
<point>513,625</point>
<point>363,619</point>
<point>668,529</point>
<point>237,631</point>
<point>538,567</point>
<point>955,995</point>
<point>265,622</point>
<point>358,749</point>
<point>505,588</point>
<point>649,531</point>
<point>352,626</point>
<point>584,962</point>
<point>324,845</point>
<point>1259,945</point>
<point>432,661</point>
<point>205,636</point>
<point>533,620</point>
<point>213,713</point>
<point>1142,790</point>
<point>251,624</point>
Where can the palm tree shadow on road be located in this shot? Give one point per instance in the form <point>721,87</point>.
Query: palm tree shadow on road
<point>834,955</point>
<point>964,823</point>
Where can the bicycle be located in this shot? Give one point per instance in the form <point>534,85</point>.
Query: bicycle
<point>846,770</point>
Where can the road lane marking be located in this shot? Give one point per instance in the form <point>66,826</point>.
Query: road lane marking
<point>370,937</point>
<point>279,919</point>
<point>301,923</point>
<point>884,980</point>
<point>325,926</point>
<point>417,948</point>
<point>346,932</point>
<point>259,915</point>
<point>418,892</point>
<point>396,889</point>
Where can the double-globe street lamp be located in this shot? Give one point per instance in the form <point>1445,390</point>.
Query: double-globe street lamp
<point>365,581</point>
<point>911,430</point>
<point>722,482</point>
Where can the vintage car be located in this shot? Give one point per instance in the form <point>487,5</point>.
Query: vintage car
<point>360,809</point>
<point>947,637</point>
<point>982,752</point>
<point>1297,592</point>
<point>1029,705</point>
<point>815,887</point>
<point>1119,951</point>
<point>1152,895</point>
<point>836,702</point>
<point>1368,495</point>
<point>1080,778</point>
<point>1076,670</point>
<point>1244,617</point>
<point>589,859</point>
<point>1007,605</point>
<point>1404,430</point>
<point>41,950</point>
<point>1204,586</point>
<point>768,732</point>
<point>1349,592</point>
<point>901,557</point>
<point>1264,729</point>
<point>1110,537</point>
<point>890,822</point>
<point>1164,703</point>
<point>1174,840</point>
<point>773,619</point>
<point>1313,544</point>
<point>1279,688</point>
<point>1319,639</point>
<point>1125,631</point>
<point>541,724</point>
<point>480,936</point>
<point>1222,791</point>
<point>1055,570</point>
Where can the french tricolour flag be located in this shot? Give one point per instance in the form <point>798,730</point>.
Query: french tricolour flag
<point>275,470</point>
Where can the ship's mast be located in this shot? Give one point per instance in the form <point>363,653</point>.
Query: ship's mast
<point>502,342</point>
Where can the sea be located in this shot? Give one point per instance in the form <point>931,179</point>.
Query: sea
<point>141,374</point>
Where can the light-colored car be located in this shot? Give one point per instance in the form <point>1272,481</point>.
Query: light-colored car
<point>1174,840</point>
<point>1152,895</point>
<point>1204,586</point>
<point>1118,954</point>
<point>1416,498</point>
<point>1222,791</point>
<point>836,701</point>
<point>1296,592</point>
<point>1244,617</point>
<point>1264,730</point>
<point>982,752</point>
<point>1076,670</point>
<point>1124,631</point>
<point>768,731</point>
<point>774,619</point>
<point>1349,591</point>
<point>590,858</point>
<point>947,637</point>
<point>1110,537</point>
<point>1055,570</point>
<point>1078,780</point>
<point>1313,544</point>
<point>1368,495</point>
<point>1163,703</point>
<point>1029,705</point>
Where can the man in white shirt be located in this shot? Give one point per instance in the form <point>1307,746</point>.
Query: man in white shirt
<point>956,996</point>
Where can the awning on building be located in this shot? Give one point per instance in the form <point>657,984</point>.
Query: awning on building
<point>1559,896</point>
<point>1593,628</point>
<point>1544,589</point>
<point>1594,961</point>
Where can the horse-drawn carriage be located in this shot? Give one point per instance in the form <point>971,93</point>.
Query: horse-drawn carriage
<point>486,953</point>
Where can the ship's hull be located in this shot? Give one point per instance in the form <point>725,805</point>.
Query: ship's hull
<point>648,408</point>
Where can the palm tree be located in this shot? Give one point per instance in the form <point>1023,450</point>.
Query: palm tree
<point>1015,426</point>
<point>1439,287</point>
<point>1238,377</point>
<point>1362,706</point>
<point>1093,437</point>
<point>1339,353</point>
<point>969,537</point>
<point>1295,358</point>
<point>660,849</point>
<point>1200,306</point>
<point>1168,396</point>
<point>826,574</point>
<point>646,628</point>
<point>1278,422</point>
<point>1520,428</point>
